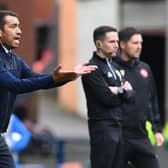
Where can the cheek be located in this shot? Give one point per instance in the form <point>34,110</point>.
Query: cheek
<point>5,39</point>
<point>131,50</point>
<point>108,47</point>
<point>8,38</point>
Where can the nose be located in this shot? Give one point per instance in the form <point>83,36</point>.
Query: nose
<point>19,31</point>
<point>140,46</point>
<point>116,44</point>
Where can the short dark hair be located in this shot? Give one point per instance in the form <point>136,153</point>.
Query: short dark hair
<point>99,32</point>
<point>4,13</point>
<point>126,33</point>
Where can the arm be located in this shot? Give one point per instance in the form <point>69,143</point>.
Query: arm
<point>27,72</point>
<point>11,83</point>
<point>153,106</point>
<point>59,76</point>
<point>125,91</point>
<point>30,81</point>
<point>95,85</point>
<point>154,113</point>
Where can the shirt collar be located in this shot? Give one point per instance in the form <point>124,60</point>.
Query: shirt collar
<point>5,49</point>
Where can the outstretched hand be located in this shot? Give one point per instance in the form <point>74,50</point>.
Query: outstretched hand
<point>81,69</point>
<point>60,75</point>
<point>84,68</point>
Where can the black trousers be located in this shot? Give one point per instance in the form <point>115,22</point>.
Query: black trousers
<point>6,159</point>
<point>105,143</point>
<point>140,153</point>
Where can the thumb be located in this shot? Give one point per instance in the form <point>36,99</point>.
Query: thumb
<point>57,69</point>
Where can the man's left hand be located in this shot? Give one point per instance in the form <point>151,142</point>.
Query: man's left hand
<point>159,139</point>
<point>84,68</point>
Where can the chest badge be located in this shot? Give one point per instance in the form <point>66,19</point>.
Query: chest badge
<point>144,73</point>
<point>109,75</point>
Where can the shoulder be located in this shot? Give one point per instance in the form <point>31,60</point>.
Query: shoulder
<point>97,72</point>
<point>145,68</point>
<point>143,64</point>
<point>18,60</point>
<point>93,60</point>
<point>17,57</point>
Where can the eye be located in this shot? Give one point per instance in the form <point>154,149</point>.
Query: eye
<point>13,25</point>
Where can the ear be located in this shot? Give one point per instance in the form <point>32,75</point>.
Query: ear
<point>122,44</point>
<point>0,33</point>
<point>98,44</point>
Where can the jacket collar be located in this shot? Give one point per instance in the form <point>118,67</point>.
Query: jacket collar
<point>4,49</point>
<point>129,64</point>
<point>100,58</point>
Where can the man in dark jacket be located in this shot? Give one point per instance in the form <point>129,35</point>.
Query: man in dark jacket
<point>17,77</point>
<point>137,146</point>
<point>104,94</point>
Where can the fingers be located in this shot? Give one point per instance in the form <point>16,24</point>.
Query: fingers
<point>55,72</point>
<point>127,86</point>
<point>159,139</point>
<point>159,142</point>
<point>85,63</point>
<point>92,67</point>
<point>82,69</point>
<point>57,68</point>
<point>89,68</point>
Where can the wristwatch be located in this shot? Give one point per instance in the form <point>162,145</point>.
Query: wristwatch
<point>120,90</point>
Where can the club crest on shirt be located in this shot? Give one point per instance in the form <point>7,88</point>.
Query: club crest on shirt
<point>144,73</point>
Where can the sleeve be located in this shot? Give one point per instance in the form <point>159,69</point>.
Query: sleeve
<point>95,85</point>
<point>129,96</point>
<point>154,107</point>
<point>24,85</point>
<point>27,72</point>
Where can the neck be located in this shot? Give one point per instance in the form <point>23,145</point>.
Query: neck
<point>102,55</point>
<point>4,45</point>
<point>124,57</point>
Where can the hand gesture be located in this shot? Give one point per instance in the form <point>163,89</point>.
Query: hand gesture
<point>84,68</point>
<point>81,69</point>
<point>60,76</point>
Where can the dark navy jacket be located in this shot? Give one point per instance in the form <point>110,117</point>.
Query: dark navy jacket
<point>140,76</point>
<point>17,77</point>
<point>101,102</point>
